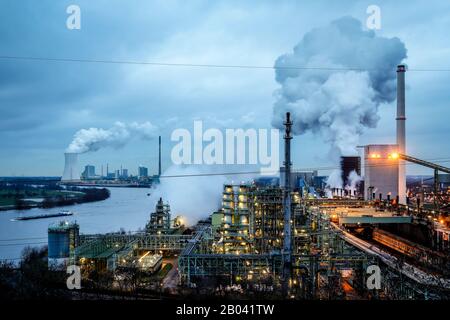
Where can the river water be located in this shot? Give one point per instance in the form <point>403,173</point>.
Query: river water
<point>127,208</point>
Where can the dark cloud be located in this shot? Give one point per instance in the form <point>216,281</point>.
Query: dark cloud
<point>42,104</point>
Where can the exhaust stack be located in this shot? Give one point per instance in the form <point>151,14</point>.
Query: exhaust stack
<point>287,246</point>
<point>401,132</point>
<point>159,160</point>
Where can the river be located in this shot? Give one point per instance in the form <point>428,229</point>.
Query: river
<point>127,208</point>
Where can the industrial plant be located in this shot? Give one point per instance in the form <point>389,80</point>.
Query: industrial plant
<point>72,175</point>
<point>293,238</point>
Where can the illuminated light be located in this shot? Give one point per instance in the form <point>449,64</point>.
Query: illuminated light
<point>393,155</point>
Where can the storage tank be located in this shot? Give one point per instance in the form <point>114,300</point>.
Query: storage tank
<point>63,238</point>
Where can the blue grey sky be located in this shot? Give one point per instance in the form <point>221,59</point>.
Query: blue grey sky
<point>43,104</point>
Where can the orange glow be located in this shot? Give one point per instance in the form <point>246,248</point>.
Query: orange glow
<point>393,155</point>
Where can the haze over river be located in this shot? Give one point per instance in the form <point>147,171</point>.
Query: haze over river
<point>127,208</point>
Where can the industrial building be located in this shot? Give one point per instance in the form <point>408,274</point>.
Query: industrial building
<point>142,172</point>
<point>381,172</point>
<point>349,164</point>
<point>299,179</point>
<point>160,222</point>
<point>89,172</point>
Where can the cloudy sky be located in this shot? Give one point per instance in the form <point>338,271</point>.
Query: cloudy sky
<point>43,104</point>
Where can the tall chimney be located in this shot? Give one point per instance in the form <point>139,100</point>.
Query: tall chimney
<point>401,134</point>
<point>287,247</point>
<point>159,162</point>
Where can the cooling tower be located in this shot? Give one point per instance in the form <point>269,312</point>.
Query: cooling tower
<point>71,172</point>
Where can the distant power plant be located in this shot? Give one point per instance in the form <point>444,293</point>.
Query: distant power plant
<point>72,173</point>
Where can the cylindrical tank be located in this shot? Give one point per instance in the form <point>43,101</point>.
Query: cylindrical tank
<point>62,239</point>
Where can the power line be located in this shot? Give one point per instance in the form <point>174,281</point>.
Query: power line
<point>20,239</point>
<point>294,170</point>
<point>327,168</point>
<point>23,244</point>
<point>201,65</point>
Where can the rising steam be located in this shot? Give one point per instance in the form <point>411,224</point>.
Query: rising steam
<point>193,197</point>
<point>337,103</point>
<point>354,179</point>
<point>193,191</point>
<point>117,136</point>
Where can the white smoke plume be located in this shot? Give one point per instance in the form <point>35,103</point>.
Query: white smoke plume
<point>334,180</point>
<point>354,179</point>
<point>117,136</point>
<point>194,191</point>
<point>337,104</point>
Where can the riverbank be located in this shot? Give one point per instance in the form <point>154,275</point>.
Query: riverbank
<point>28,197</point>
<point>126,209</point>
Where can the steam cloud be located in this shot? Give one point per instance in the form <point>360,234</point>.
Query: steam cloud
<point>337,104</point>
<point>117,136</point>
<point>354,179</point>
<point>334,180</point>
<point>193,197</point>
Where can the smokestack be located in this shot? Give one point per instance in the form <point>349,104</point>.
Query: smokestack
<point>401,134</point>
<point>159,162</point>
<point>71,172</point>
<point>287,247</point>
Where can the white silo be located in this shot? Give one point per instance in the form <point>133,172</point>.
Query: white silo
<point>71,172</point>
